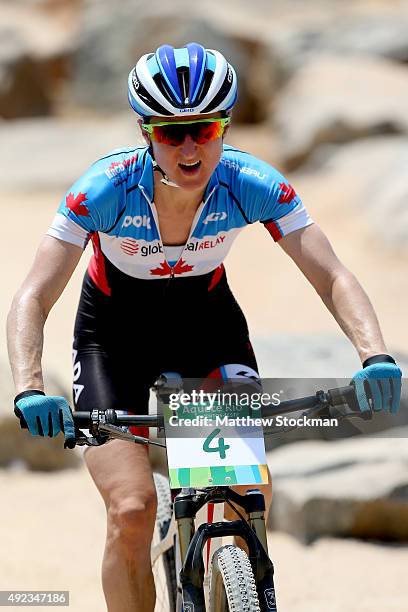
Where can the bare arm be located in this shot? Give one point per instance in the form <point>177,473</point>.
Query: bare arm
<point>338,288</point>
<point>53,266</point>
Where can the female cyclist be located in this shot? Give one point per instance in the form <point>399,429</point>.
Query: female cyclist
<point>155,298</point>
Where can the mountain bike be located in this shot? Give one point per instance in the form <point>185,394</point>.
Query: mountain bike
<point>233,579</point>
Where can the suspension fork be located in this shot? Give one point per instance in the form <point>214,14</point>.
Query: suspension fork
<point>256,518</point>
<point>192,542</point>
<point>185,511</point>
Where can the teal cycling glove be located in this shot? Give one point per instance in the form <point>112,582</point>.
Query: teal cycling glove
<point>45,415</point>
<point>380,382</point>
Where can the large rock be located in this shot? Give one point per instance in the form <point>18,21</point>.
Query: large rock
<point>23,90</point>
<point>339,99</point>
<point>114,36</point>
<point>19,447</point>
<point>341,31</point>
<point>356,488</point>
<point>309,356</point>
<point>380,196</point>
<point>32,65</point>
<point>383,35</point>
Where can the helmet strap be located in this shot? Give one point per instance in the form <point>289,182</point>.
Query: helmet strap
<point>165,179</point>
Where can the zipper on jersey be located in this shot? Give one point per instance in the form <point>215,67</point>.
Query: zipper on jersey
<point>171,276</point>
<point>192,228</point>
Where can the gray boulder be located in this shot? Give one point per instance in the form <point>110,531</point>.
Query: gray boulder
<point>341,99</point>
<point>17,446</point>
<point>305,356</point>
<point>338,28</point>
<point>356,488</point>
<point>382,197</point>
<point>309,356</point>
<point>23,89</point>
<point>385,35</point>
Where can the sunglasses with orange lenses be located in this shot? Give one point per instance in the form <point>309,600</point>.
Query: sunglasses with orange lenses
<point>174,132</point>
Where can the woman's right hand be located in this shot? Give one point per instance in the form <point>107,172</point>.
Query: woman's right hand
<point>45,415</point>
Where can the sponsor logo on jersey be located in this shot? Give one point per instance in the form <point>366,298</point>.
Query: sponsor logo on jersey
<point>118,172</point>
<point>130,246</point>
<point>76,387</point>
<point>288,194</point>
<point>244,169</point>
<point>217,216</point>
<point>137,221</point>
<point>205,244</point>
<point>253,172</point>
<point>270,599</point>
<point>165,270</point>
<point>151,249</point>
<point>75,204</point>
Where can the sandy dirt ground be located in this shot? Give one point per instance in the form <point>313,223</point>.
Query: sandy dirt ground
<point>52,533</point>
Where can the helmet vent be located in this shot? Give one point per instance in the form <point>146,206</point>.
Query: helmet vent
<point>150,101</point>
<point>163,88</point>
<point>219,97</point>
<point>184,81</point>
<point>208,77</point>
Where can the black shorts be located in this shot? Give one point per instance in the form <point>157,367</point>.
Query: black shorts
<point>123,342</point>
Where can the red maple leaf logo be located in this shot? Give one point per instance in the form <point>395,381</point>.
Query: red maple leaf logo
<point>288,194</point>
<point>164,270</point>
<point>181,267</point>
<point>75,204</point>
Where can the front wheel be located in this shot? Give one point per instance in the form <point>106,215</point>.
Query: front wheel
<point>232,583</point>
<point>164,567</point>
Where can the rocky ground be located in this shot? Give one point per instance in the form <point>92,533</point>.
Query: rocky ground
<point>52,532</point>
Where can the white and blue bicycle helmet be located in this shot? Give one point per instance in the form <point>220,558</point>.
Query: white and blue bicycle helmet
<point>179,82</point>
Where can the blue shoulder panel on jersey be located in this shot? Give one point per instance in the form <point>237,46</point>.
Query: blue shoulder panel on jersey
<point>95,200</point>
<point>263,193</point>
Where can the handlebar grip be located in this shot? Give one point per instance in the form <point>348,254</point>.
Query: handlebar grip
<point>342,395</point>
<point>81,419</point>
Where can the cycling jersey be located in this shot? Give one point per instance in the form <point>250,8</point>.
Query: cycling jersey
<point>113,205</point>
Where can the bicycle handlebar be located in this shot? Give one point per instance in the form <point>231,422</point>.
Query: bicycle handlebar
<point>84,419</point>
<point>332,399</point>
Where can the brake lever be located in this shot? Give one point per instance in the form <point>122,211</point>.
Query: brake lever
<point>121,433</point>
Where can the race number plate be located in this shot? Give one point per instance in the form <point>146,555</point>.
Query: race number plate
<point>213,443</point>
